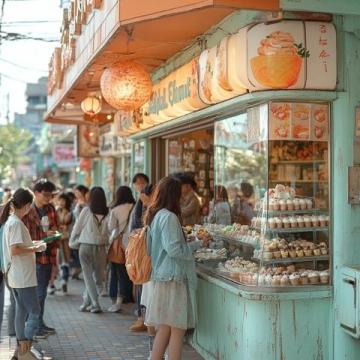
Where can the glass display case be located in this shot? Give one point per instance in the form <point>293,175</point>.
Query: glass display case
<point>272,179</point>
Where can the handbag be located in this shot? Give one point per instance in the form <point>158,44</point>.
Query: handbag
<point>116,253</point>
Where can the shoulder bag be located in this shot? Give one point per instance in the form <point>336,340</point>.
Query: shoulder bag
<point>116,253</point>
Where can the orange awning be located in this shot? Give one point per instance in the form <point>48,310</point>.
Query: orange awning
<point>149,32</point>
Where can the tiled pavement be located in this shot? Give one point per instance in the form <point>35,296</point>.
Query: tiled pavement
<point>89,336</point>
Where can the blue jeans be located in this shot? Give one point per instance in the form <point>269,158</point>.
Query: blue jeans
<point>120,284</point>
<point>11,314</point>
<point>2,296</point>
<point>43,273</point>
<point>27,313</point>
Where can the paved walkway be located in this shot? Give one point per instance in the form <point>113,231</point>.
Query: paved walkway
<point>89,336</point>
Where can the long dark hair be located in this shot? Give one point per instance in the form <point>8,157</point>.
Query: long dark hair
<point>221,193</point>
<point>20,198</point>
<point>123,196</point>
<point>166,196</point>
<point>67,200</point>
<point>97,201</point>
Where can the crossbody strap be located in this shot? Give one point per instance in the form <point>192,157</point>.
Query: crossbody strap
<point>127,222</point>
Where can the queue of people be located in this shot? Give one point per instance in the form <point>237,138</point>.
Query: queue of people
<point>93,240</point>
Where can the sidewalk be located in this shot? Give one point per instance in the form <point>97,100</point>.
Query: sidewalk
<point>89,336</point>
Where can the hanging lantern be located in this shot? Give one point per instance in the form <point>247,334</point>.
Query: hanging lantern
<point>91,105</point>
<point>126,85</point>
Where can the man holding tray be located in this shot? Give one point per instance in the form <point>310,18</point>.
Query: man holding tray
<point>41,222</point>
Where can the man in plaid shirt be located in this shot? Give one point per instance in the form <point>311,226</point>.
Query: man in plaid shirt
<point>43,191</point>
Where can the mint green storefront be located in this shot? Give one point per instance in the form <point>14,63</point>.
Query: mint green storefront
<point>238,322</point>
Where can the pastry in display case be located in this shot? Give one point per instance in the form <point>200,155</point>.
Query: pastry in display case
<point>286,242</point>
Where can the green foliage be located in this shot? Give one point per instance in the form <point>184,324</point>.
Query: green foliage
<point>13,142</point>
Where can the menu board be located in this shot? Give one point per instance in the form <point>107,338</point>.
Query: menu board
<point>299,121</point>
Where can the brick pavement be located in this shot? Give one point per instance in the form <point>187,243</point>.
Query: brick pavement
<point>89,336</point>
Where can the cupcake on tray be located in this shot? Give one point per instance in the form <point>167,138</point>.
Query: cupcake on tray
<point>272,223</point>
<point>307,221</point>
<point>282,204</point>
<point>276,279</point>
<point>314,277</point>
<point>302,203</point>
<point>296,203</point>
<point>309,204</point>
<point>285,281</point>
<point>295,279</point>
<point>324,277</point>
<point>300,221</point>
<point>315,221</point>
<point>293,222</point>
<point>290,205</point>
<point>286,223</point>
<point>317,251</point>
<point>304,279</point>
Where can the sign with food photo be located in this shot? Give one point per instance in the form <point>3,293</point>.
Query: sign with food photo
<point>300,126</point>
<point>280,121</point>
<point>291,55</point>
<point>319,122</point>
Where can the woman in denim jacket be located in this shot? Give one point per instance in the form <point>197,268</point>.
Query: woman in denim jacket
<point>172,308</point>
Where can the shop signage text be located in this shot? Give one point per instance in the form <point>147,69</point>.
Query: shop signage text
<point>164,97</point>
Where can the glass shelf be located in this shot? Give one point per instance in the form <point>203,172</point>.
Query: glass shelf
<point>235,241</point>
<point>293,260</point>
<point>297,181</point>
<point>294,230</point>
<point>291,212</point>
<point>304,162</point>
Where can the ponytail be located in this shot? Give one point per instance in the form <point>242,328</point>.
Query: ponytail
<point>20,198</point>
<point>5,212</point>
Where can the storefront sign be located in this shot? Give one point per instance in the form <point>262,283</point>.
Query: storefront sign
<point>289,55</point>
<point>282,55</point>
<point>88,141</point>
<point>64,155</point>
<point>176,95</point>
<point>214,75</point>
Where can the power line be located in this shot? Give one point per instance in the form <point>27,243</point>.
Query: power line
<point>8,24</point>
<point>13,36</point>
<point>14,78</point>
<point>22,67</point>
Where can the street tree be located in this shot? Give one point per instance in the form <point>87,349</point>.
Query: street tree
<point>13,143</point>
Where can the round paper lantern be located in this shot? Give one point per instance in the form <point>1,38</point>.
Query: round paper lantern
<point>126,85</point>
<point>91,105</point>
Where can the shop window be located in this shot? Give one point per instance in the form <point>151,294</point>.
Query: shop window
<point>194,152</point>
<point>139,157</point>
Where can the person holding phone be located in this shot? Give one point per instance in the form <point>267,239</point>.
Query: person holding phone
<point>20,264</point>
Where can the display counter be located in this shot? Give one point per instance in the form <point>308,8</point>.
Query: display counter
<point>237,322</point>
<point>265,281</point>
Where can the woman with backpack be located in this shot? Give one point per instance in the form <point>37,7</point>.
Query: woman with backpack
<point>90,235</point>
<point>120,284</point>
<point>172,306</point>
<point>20,267</point>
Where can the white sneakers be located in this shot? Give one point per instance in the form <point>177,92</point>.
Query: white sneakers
<point>116,307</point>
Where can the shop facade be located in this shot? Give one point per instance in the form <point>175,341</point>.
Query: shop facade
<point>284,127</point>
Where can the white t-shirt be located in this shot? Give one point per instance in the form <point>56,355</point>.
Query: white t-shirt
<point>22,272</point>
